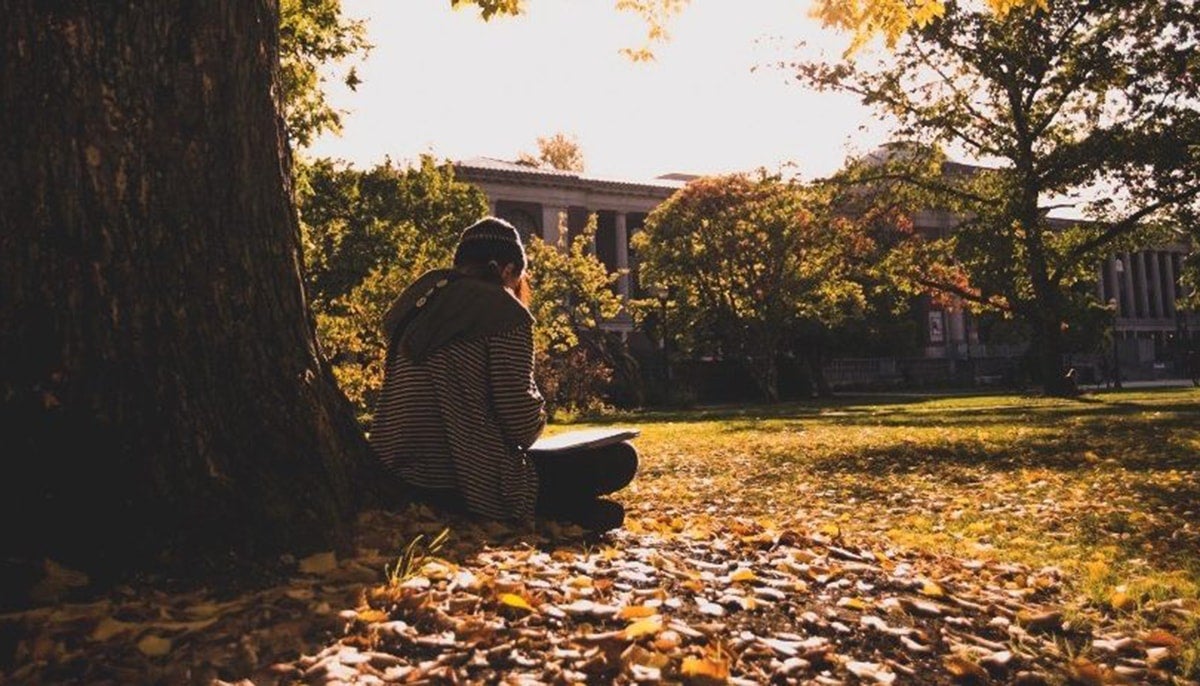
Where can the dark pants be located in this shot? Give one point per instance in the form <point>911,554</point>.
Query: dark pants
<point>569,481</point>
<point>570,484</point>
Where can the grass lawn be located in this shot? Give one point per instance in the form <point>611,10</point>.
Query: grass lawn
<point>1105,487</point>
<point>864,540</point>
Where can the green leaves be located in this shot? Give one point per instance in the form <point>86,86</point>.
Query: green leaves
<point>367,235</point>
<point>748,260</point>
<point>573,293</point>
<point>313,33</point>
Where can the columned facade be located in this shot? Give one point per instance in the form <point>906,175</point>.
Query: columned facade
<point>555,205</point>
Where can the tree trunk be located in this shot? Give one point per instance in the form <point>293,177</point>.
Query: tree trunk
<point>161,389</point>
<point>1047,356</point>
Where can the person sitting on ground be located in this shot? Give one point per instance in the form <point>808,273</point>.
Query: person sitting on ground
<point>459,405</point>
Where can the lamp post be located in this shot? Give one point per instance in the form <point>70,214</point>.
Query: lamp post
<point>663,293</point>
<point>1119,266</point>
<point>1116,358</point>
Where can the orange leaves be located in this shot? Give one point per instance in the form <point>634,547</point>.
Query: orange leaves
<point>636,612</point>
<point>963,668</point>
<point>711,668</point>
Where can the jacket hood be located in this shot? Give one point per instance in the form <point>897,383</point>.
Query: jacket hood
<point>443,307</point>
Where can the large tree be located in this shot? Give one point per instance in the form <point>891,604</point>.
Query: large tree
<point>1074,99</point>
<point>747,261</point>
<point>161,385</point>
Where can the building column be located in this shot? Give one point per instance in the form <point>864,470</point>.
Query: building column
<point>1159,302</point>
<point>1170,280</point>
<point>621,235</point>
<point>1100,283</point>
<point>1127,275</point>
<point>552,218</point>
<point>1144,295</point>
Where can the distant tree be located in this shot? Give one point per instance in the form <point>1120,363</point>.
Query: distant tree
<point>367,235</point>
<point>748,260</point>
<point>314,35</point>
<point>559,151</point>
<point>573,294</point>
<point>1071,95</point>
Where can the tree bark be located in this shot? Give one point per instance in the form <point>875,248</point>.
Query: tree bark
<point>161,388</point>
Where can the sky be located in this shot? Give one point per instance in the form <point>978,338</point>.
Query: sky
<point>444,82</point>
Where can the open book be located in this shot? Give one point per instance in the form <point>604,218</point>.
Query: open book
<point>584,438</point>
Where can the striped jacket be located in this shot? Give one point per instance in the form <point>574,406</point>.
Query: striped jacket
<point>459,402</point>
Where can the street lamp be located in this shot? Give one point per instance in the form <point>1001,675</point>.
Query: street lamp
<point>1116,358</point>
<point>663,294</point>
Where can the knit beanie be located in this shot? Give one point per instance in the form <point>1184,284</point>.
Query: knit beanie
<point>490,239</point>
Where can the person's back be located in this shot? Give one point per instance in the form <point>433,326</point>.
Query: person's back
<point>459,359</point>
<point>459,406</point>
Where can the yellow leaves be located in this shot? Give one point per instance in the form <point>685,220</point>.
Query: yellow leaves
<point>891,19</point>
<point>514,601</point>
<point>932,590</point>
<point>854,604</point>
<point>372,616</point>
<point>643,627</point>
<point>1121,601</point>
<point>743,575</point>
<point>925,11</point>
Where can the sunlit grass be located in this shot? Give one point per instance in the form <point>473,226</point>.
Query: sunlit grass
<point>1106,488</point>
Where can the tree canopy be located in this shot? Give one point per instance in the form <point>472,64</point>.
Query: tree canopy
<point>313,34</point>
<point>367,235</point>
<point>1076,99</point>
<point>744,261</point>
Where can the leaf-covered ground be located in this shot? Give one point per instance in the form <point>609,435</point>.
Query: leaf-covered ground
<point>906,540</point>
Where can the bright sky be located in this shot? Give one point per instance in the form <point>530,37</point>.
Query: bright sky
<point>445,82</point>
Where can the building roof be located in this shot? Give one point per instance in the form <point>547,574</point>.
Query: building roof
<point>489,168</point>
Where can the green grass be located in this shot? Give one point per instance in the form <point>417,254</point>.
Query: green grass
<point>1105,487</point>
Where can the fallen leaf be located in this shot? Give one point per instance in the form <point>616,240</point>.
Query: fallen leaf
<point>1121,602</point>
<point>705,670</point>
<point>1084,672</point>
<point>643,627</point>
<point>515,601</point>
<point>109,627</point>
<point>932,590</point>
<point>743,575</point>
<point>871,670</point>
<point>154,646</point>
<point>319,564</point>
<point>372,616</point>
<point>636,612</point>
<point>964,669</point>
<point>1164,639</point>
